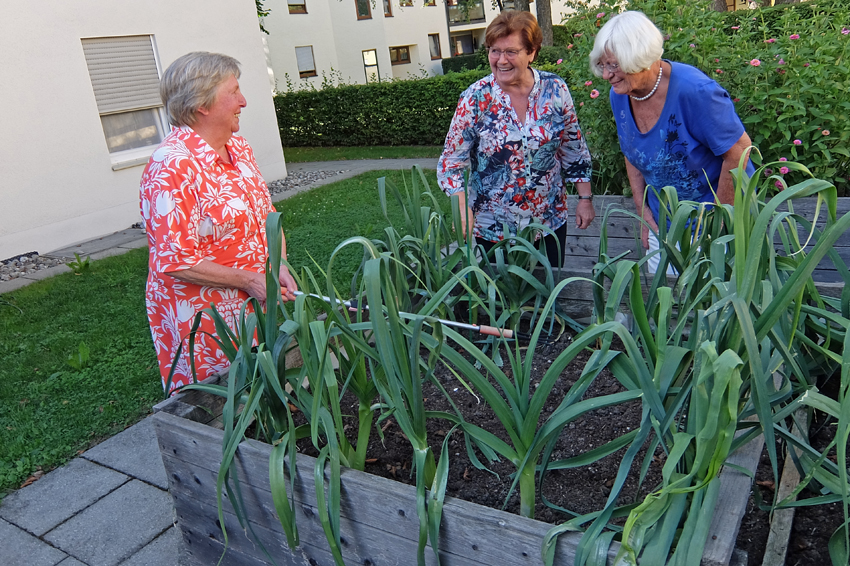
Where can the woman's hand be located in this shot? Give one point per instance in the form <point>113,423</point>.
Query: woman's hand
<point>287,284</point>
<point>644,229</point>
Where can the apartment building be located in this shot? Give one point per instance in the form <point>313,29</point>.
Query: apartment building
<point>360,41</point>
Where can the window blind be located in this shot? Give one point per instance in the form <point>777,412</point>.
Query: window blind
<point>123,73</point>
<point>304,55</point>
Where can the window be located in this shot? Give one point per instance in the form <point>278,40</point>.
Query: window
<point>405,3</point>
<point>474,12</point>
<point>297,6</point>
<point>306,63</point>
<point>429,3</point>
<point>400,55</point>
<point>125,80</point>
<point>463,44</point>
<point>434,45</point>
<point>364,9</point>
<point>388,9</point>
<point>370,65</point>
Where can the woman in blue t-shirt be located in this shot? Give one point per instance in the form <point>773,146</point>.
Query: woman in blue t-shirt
<point>676,126</point>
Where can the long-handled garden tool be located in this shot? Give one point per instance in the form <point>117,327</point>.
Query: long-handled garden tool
<point>353,305</point>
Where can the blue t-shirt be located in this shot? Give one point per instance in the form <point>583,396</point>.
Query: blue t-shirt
<point>685,148</point>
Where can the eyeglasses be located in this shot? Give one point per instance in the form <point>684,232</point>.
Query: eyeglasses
<point>611,67</point>
<point>510,53</point>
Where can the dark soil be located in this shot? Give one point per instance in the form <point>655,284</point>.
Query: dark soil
<point>581,490</point>
<point>813,525</point>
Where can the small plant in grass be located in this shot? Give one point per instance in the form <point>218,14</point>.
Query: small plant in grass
<point>80,265</point>
<point>79,359</point>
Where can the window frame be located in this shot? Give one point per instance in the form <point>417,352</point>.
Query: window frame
<point>99,67</point>
<point>429,3</point>
<point>400,49</point>
<point>367,67</point>
<point>388,8</point>
<point>439,47</point>
<point>302,4</point>
<point>306,74</point>
<point>367,4</point>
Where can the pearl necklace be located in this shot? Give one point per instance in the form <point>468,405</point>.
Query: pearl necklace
<point>657,82</point>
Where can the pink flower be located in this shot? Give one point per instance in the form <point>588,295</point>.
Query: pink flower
<point>578,34</point>
<point>771,40</point>
<point>781,71</point>
<point>768,172</point>
<point>845,31</point>
<point>783,159</point>
<point>782,61</point>
<point>793,36</point>
<point>600,15</point>
<point>755,62</point>
<point>719,71</point>
<point>588,83</point>
<point>784,170</point>
<point>736,27</point>
<point>798,142</point>
<point>736,100</point>
<point>595,94</point>
<point>692,46</point>
<point>570,46</point>
<point>559,61</point>
<point>717,60</point>
<point>779,185</point>
<point>805,64</point>
<point>825,132</point>
<point>581,103</point>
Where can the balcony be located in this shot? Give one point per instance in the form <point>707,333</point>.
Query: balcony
<point>473,12</point>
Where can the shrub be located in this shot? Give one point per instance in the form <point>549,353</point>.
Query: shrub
<point>460,63</point>
<point>402,112</point>
<point>797,92</point>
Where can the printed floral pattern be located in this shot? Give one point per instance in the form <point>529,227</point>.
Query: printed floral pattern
<point>517,172</point>
<point>197,207</point>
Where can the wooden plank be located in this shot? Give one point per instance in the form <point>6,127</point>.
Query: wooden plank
<point>473,533</point>
<point>780,525</point>
<point>731,506</point>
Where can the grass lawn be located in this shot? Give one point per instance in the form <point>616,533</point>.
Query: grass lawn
<point>49,411</point>
<point>302,154</point>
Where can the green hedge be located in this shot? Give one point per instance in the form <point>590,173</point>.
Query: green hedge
<point>402,112</point>
<point>798,92</point>
<point>460,63</point>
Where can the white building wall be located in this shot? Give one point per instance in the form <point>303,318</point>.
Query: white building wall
<point>56,180</point>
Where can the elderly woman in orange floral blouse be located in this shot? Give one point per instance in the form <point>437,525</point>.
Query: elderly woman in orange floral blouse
<point>204,204</point>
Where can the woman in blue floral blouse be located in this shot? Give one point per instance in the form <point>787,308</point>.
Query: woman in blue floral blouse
<point>517,131</point>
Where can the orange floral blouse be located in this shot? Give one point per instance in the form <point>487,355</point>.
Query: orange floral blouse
<point>197,207</point>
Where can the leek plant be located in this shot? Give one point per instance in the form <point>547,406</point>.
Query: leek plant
<point>742,332</point>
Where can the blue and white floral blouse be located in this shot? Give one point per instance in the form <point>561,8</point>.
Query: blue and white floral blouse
<point>517,172</point>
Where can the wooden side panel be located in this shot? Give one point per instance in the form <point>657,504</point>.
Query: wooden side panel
<point>378,516</point>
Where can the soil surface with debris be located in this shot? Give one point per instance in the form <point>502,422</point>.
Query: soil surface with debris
<point>584,489</point>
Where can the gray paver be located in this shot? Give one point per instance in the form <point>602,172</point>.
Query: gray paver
<point>20,548</point>
<point>60,494</point>
<point>46,273</point>
<point>115,527</point>
<point>92,247</point>
<point>13,285</point>
<point>163,551</point>
<point>71,561</point>
<point>134,452</point>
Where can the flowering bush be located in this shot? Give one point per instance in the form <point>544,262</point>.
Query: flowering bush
<point>786,68</point>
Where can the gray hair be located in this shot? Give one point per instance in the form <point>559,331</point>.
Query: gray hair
<point>632,38</point>
<point>191,82</point>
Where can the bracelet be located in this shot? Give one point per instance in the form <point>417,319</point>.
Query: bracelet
<point>588,197</point>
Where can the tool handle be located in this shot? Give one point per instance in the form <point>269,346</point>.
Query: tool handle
<point>493,331</point>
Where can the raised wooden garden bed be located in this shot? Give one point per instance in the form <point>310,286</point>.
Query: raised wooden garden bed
<point>378,515</point>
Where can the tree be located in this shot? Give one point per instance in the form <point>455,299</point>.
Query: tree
<point>544,19</point>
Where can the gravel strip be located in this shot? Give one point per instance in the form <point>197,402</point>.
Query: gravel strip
<point>24,264</point>
<point>31,262</point>
<point>300,179</point>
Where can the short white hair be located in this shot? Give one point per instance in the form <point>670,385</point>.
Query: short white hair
<point>192,81</point>
<point>632,38</point>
